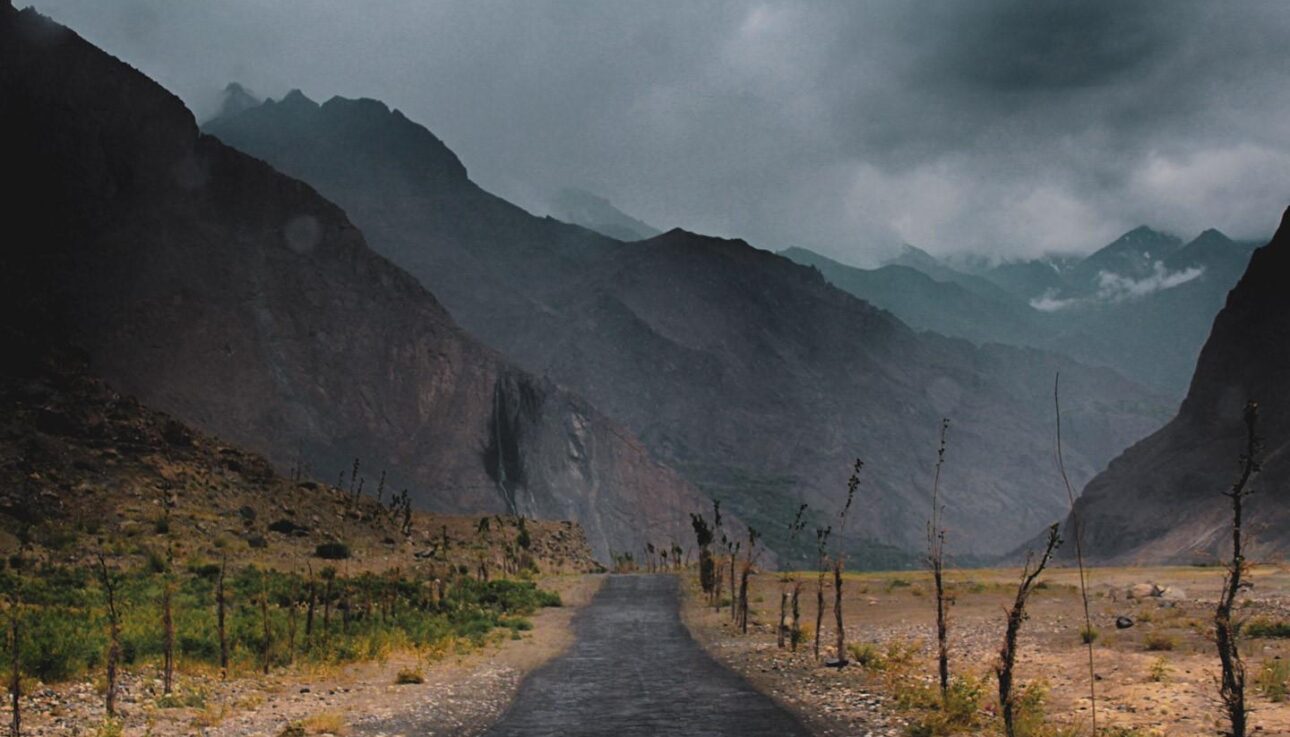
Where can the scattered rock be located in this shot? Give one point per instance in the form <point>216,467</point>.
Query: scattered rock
<point>1123,623</point>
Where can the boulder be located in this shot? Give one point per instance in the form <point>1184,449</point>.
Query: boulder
<point>1142,591</point>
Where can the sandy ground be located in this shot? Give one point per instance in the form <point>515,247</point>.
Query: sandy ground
<point>1158,676</point>
<point>463,692</point>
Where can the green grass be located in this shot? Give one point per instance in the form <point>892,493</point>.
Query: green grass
<point>1272,680</point>
<point>1266,628</point>
<point>63,623</point>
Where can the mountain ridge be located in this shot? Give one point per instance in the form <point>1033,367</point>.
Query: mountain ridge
<point>749,374</point>
<point>1161,500</point>
<point>236,298</point>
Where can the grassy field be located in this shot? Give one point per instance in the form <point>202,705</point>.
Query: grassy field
<point>1156,677</point>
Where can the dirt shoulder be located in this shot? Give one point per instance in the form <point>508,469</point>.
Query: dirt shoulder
<point>463,691</point>
<point>1155,677</point>
<point>827,700</point>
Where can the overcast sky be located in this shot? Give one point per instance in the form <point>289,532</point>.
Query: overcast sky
<point>1012,128</point>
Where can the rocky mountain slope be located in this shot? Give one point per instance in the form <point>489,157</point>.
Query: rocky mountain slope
<point>749,374</point>
<point>237,299</point>
<point>82,466</point>
<point>1162,499</point>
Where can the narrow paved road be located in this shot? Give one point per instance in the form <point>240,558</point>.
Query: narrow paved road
<point>634,670</point>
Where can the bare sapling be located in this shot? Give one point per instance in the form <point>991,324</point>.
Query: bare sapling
<point>1078,531</point>
<point>264,619</point>
<point>733,547</point>
<point>293,607</point>
<point>839,564</point>
<point>1232,683</point>
<point>220,617</point>
<point>108,580</point>
<point>1016,615</point>
<point>795,606</point>
<point>15,651</point>
<point>703,538</point>
<point>329,579</point>
<point>168,623</point>
<point>15,666</point>
<point>936,561</point>
<point>782,633</point>
<point>749,560</point>
<point>353,480</point>
<point>822,567</point>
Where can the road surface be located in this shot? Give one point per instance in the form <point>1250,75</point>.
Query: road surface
<point>634,670</point>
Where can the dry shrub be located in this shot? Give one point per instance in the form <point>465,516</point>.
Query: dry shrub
<point>1160,642</point>
<point>327,722</point>
<point>409,676</point>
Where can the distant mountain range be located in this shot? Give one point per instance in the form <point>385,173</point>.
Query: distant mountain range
<point>1141,305</point>
<point>599,214</point>
<point>751,375</point>
<point>236,298</point>
<point>1162,499</point>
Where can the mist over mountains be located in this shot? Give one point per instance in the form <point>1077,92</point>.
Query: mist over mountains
<point>752,376</point>
<point>1142,304</point>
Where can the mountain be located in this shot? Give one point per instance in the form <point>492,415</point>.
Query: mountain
<point>1155,332</point>
<point>235,98</point>
<point>1131,256</point>
<point>924,303</point>
<point>749,374</point>
<point>486,259</point>
<point>1162,499</point>
<point>1027,280</point>
<point>920,260</point>
<point>237,299</point>
<point>599,214</point>
<point>1142,305</point>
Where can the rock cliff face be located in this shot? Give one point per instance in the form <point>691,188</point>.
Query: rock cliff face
<point>1162,499</point>
<point>747,373</point>
<point>238,299</point>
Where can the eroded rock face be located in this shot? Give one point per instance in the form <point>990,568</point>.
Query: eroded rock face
<point>217,289</point>
<point>1162,499</point>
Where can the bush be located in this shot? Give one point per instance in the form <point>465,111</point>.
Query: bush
<point>1088,635</point>
<point>1159,670</point>
<point>867,656</point>
<point>332,551</point>
<point>1158,642</point>
<point>959,713</point>
<point>1266,628</point>
<point>898,583</point>
<point>409,676</point>
<point>1028,717</point>
<point>1272,680</point>
<point>963,701</point>
<point>58,644</point>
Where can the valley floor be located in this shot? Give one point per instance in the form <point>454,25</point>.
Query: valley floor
<point>462,694</point>
<point>1158,677</point>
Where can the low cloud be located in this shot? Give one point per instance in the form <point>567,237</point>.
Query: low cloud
<point>1112,287</point>
<point>1006,127</point>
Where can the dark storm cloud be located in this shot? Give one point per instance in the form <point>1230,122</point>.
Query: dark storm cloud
<point>1010,127</point>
